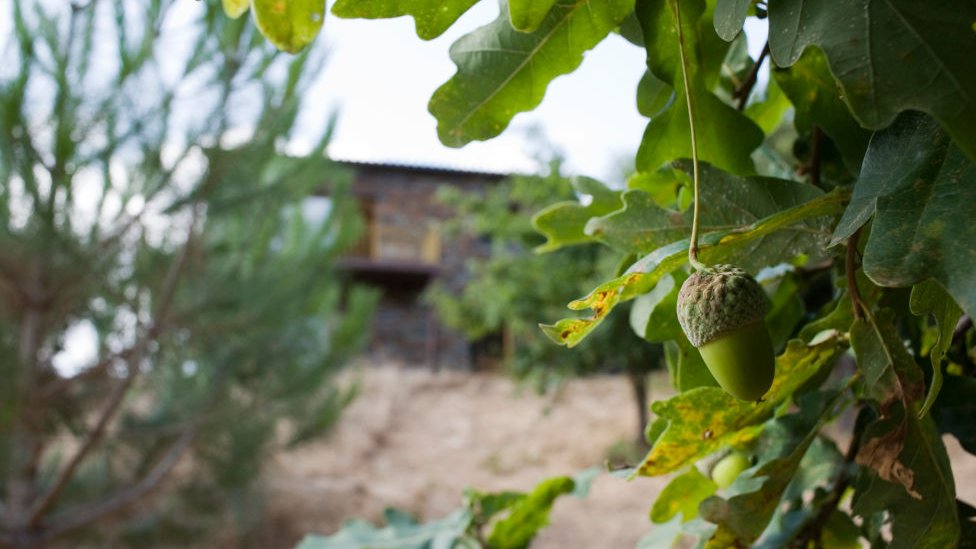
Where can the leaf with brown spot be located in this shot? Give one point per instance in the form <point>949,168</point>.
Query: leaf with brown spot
<point>894,380</point>
<point>919,494</point>
<point>881,454</point>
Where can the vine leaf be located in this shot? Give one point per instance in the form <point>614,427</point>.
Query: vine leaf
<point>889,56</point>
<point>502,72</point>
<point>812,90</point>
<point>527,15</point>
<point>714,247</point>
<point>928,298</point>
<point>431,18</point>
<point>743,517</point>
<point>666,137</point>
<point>727,201</point>
<point>921,190</point>
<point>681,496</point>
<point>923,516</point>
<point>289,24</point>
<point>564,223</point>
<point>704,420</point>
<point>730,15</point>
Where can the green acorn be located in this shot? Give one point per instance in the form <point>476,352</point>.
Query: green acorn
<point>721,311</point>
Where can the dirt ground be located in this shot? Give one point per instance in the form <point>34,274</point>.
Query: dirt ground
<point>415,439</point>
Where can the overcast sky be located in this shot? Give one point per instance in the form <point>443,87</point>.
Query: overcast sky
<point>380,75</point>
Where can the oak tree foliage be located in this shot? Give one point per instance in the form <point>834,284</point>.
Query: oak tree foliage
<point>169,310</point>
<point>838,167</point>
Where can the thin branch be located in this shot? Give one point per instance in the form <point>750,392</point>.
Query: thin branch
<point>743,92</point>
<point>693,243</point>
<point>850,270</point>
<point>54,387</point>
<point>96,435</point>
<point>86,514</point>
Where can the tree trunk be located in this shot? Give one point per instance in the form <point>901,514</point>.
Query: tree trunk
<point>24,444</point>
<point>638,383</point>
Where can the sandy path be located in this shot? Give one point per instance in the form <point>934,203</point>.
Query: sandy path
<point>415,440</point>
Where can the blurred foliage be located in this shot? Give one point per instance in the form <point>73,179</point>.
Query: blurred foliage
<point>501,520</point>
<point>514,287</point>
<point>169,310</point>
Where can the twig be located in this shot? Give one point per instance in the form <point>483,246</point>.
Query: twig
<point>95,436</point>
<point>85,514</point>
<point>851,271</point>
<point>743,92</point>
<point>816,142</point>
<point>693,243</point>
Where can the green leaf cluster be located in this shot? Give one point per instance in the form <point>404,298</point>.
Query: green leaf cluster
<point>844,180</point>
<point>502,520</point>
<point>200,277</point>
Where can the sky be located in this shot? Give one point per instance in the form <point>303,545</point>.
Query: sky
<point>380,76</point>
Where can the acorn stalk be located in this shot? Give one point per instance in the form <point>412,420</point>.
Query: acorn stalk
<point>721,311</point>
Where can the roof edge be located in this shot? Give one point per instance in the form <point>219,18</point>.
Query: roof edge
<point>422,168</point>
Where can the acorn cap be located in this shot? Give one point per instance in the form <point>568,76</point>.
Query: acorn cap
<point>715,302</point>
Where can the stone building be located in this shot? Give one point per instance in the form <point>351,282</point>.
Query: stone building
<point>403,250</point>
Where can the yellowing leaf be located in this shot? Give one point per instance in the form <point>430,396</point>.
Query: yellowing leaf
<point>714,247</point>
<point>235,8</point>
<point>682,496</point>
<point>289,24</point>
<point>704,420</point>
<point>431,17</point>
